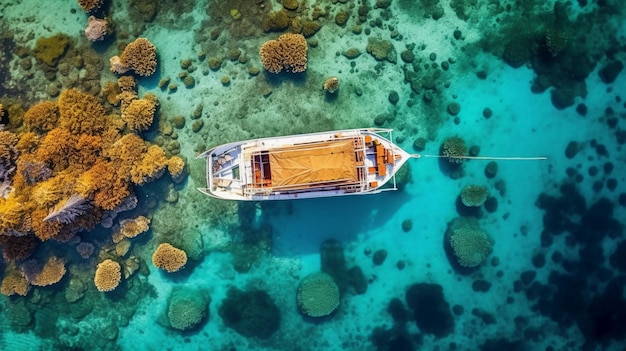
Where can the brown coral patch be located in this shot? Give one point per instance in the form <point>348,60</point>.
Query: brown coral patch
<point>81,113</point>
<point>288,52</point>
<point>140,56</point>
<point>108,275</point>
<point>42,117</point>
<point>169,258</point>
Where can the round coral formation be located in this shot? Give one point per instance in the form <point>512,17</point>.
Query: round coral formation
<point>108,275</point>
<point>331,84</point>
<point>139,56</point>
<point>469,243</point>
<point>474,195</point>
<point>454,149</point>
<point>187,308</point>
<point>169,258</point>
<point>288,52</point>
<point>318,295</point>
<point>130,228</point>
<point>139,114</point>
<point>42,117</point>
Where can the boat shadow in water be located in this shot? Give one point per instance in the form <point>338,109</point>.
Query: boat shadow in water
<point>299,227</point>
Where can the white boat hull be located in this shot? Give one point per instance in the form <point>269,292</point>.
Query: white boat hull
<point>335,163</point>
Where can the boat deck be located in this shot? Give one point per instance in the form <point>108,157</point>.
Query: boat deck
<point>311,165</point>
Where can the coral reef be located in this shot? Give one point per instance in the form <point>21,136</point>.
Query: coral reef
<point>169,258</point>
<point>175,166</point>
<point>108,275</point>
<point>96,29</point>
<point>90,5</point>
<point>130,228</point>
<point>43,275</point>
<point>81,113</point>
<point>288,52</point>
<point>431,310</point>
<point>14,283</point>
<point>453,148</point>
<point>474,195</point>
<point>49,50</point>
<point>331,85</point>
<point>317,295</point>
<point>250,313</point>
<point>469,243</point>
<point>42,117</point>
<point>138,56</point>
<point>186,308</point>
<point>139,114</point>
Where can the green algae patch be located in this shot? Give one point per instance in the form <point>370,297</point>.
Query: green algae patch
<point>50,49</point>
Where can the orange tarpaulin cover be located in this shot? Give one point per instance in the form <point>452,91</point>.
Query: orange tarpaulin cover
<point>315,163</point>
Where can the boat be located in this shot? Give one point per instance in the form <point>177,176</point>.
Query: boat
<point>335,163</point>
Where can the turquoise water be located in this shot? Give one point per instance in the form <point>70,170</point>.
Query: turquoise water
<point>537,265</point>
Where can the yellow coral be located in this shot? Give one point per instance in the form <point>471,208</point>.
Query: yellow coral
<point>176,166</point>
<point>169,258</point>
<point>57,149</point>
<point>127,83</point>
<point>130,228</point>
<point>8,151</point>
<point>140,56</point>
<point>108,275</point>
<point>139,114</point>
<point>90,5</point>
<point>51,273</point>
<point>81,113</point>
<point>14,216</point>
<point>151,167</point>
<point>331,84</point>
<point>288,52</point>
<point>42,117</point>
<point>14,283</point>
<point>44,230</point>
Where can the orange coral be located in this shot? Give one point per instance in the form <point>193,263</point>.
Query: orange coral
<point>102,182</point>
<point>88,150</point>
<point>130,228</point>
<point>42,117</point>
<point>139,114</point>
<point>51,273</point>
<point>90,5</point>
<point>125,153</point>
<point>81,113</point>
<point>331,84</point>
<point>176,166</point>
<point>127,83</point>
<point>151,167</point>
<point>14,216</point>
<point>8,151</point>
<point>108,275</point>
<point>139,56</point>
<point>44,230</point>
<point>57,149</point>
<point>288,52</point>
<point>169,258</point>
<point>14,283</point>
<point>28,142</point>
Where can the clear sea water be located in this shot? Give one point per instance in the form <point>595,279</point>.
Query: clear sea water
<point>510,78</point>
